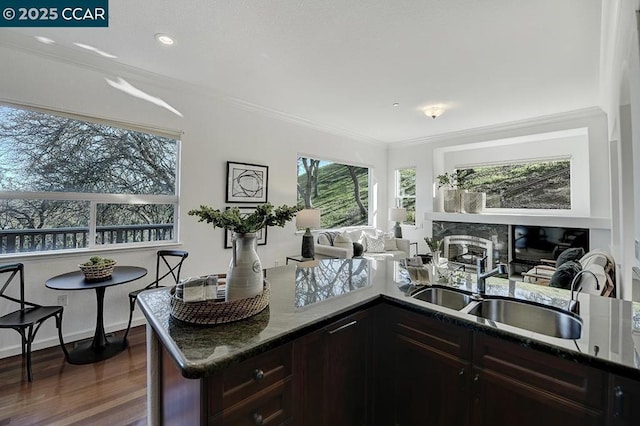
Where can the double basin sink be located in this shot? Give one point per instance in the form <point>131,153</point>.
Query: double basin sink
<point>518,313</point>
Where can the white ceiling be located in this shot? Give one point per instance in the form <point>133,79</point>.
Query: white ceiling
<point>341,64</point>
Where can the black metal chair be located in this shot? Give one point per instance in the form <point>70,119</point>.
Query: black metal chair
<point>29,315</point>
<point>172,261</point>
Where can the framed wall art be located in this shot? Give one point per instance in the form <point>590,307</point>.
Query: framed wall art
<point>247,183</point>
<point>262,234</point>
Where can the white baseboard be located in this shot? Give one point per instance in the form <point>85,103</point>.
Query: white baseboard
<point>68,338</point>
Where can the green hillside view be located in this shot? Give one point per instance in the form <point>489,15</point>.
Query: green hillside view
<point>541,185</point>
<point>335,195</point>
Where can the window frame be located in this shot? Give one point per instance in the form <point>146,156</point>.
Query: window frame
<point>103,198</point>
<point>371,209</point>
<point>399,198</point>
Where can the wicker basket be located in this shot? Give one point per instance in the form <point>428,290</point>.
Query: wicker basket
<point>211,312</point>
<point>98,272</point>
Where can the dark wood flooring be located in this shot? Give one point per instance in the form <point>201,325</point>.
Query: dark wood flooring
<point>111,392</point>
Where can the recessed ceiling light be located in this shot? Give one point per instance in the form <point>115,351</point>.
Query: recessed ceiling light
<point>165,39</point>
<point>396,104</point>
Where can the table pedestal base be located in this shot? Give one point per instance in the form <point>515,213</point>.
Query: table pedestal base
<point>85,353</point>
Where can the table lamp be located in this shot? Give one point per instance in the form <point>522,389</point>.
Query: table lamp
<point>397,215</point>
<point>308,218</point>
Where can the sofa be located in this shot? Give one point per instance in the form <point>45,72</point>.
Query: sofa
<point>361,241</point>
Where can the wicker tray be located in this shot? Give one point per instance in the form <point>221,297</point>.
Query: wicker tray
<point>217,311</point>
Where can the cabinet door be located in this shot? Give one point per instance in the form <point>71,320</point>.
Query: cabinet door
<point>514,384</point>
<point>424,370</point>
<point>501,400</point>
<point>624,402</point>
<point>429,387</point>
<point>332,373</point>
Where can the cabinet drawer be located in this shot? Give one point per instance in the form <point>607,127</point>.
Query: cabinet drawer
<point>448,338</point>
<point>253,375</point>
<point>270,406</point>
<point>554,375</point>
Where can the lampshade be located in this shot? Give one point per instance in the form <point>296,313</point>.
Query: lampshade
<point>398,214</point>
<point>308,218</point>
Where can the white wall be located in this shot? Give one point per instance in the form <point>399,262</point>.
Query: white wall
<point>620,98</point>
<point>214,131</point>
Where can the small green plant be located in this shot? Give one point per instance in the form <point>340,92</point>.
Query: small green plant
<point>231,219</point>
<point>98,261</point>
<point>454,180</point>
<point>434,243</point>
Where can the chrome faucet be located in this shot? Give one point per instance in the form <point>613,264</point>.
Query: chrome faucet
<point>481,283</point>
<point>574,305</point>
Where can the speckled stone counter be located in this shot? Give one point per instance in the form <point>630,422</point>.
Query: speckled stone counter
<point>306,296</point>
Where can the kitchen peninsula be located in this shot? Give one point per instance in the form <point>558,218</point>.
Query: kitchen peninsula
<point>342,343</point>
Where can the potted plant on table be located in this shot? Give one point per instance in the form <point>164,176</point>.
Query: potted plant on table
<point>435,246</point>
<point>244,277</point>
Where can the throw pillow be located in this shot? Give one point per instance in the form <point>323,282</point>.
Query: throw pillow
<point>564,274</point>
<point>358,249</point>
<point>389,241</point>
<point>374,244</point>
<point>343,241</point>
<point>569,254</point>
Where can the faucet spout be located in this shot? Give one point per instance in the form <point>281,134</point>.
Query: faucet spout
<point>482,275</point>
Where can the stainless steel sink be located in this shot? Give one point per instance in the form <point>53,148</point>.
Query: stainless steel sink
<point>447,297</point>
<point>530,316</point>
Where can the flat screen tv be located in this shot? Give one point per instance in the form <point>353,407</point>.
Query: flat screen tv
<point>532,243</point>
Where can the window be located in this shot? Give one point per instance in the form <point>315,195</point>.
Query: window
<point>533,185</point>
<point>68,183</point>
<point>340,191</point>
<point>406,192</point>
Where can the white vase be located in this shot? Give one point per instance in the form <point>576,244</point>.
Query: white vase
<point>452,200</point>
<point>474,202</point>
<point>244,277</point>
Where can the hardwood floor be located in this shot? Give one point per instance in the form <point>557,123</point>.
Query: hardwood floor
<point>110,392</point>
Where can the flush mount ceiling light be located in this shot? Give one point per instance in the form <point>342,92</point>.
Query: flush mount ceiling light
<point>45,40</point>
<point>434,111</point>
<point>165,39</point>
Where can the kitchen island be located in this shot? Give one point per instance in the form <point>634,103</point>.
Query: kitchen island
<point>336,323</point>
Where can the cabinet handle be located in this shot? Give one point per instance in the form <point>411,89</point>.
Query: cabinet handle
<point>476,378</point>
<point>618,397</point>
<point>342,327</point>
<point>257,419</point>
<point>461,372</point>
<point>258,374</point>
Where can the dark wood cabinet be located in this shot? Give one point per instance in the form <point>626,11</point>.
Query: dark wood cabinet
<point>516,385</point>
<point>332,371</point>
<point>428,372</point>
<point>624,401</point>
<point>385,365</point>
<point>257,391</point>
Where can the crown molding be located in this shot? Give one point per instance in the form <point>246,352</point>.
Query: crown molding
<point>489,131</point>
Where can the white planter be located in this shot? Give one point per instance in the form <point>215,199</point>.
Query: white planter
<point>244,277</point>
<point>452,200</point>
<point>474,202</point>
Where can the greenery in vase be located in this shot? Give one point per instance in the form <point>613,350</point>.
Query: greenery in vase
<point>231,219</point>
<point>454,180</point>
<point>434,243</point>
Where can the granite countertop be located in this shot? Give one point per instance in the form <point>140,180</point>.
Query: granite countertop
<point>307,296</point>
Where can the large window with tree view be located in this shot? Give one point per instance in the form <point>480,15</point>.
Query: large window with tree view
<point>70,183</point>
<point>542,185</point>
<point>340,191</point>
